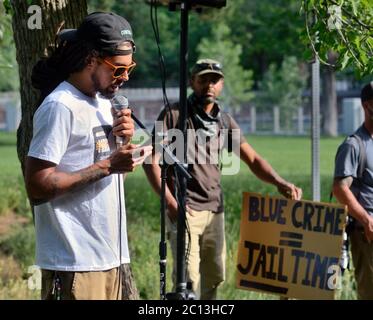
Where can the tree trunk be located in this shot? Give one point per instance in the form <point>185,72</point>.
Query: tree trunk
<point>329,110</point>
<point>31,44</point>
<point>129,290</point>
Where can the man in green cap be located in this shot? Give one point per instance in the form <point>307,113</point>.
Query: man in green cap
<point>209,131</point>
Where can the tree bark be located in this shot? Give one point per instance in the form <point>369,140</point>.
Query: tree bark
<point>31,44</point>
<point>329,110</point>
<point>129,289</point>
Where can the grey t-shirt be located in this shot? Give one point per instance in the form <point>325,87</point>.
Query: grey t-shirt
<point>347,162</point>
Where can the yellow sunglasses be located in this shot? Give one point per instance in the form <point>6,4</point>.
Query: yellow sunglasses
<point>119,71</point>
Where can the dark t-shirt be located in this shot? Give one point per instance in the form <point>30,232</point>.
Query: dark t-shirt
<point>346,165</point>
<point>204,189</point>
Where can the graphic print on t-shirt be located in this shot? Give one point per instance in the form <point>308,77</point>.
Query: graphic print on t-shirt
<point>101,138</point>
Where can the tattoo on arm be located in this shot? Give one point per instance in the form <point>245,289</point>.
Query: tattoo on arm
<point>45,182</point>
<point>87,177</point>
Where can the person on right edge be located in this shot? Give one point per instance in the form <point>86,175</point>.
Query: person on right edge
<point>356,192</point>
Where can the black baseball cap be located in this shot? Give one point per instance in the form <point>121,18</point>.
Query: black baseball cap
<point>204,66</point>
<point>106,31</point>
<point>367,92</point>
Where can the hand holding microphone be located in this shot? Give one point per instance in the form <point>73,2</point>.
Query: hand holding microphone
<point>127,156</point>
<point>123,125</point>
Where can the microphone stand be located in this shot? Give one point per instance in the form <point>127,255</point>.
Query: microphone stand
<point>181,287</point>
<point>162,242</point>
<point>173,159</point>
<point>182,173</point>
<point>182,291</point>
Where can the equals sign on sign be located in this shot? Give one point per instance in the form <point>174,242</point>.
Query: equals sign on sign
<point>291,239</point>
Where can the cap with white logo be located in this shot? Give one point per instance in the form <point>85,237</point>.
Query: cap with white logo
<point>106,31</point>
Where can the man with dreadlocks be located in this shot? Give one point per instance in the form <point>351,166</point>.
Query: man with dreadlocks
<point>73,168</point>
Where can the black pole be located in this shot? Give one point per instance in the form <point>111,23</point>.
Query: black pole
<point>162,243</point>
<point>183,114</point>
<point>182,173</point>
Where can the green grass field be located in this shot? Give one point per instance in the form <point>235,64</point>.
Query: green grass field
<point>290,156</point>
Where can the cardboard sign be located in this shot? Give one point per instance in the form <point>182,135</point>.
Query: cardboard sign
<point>289,247</point>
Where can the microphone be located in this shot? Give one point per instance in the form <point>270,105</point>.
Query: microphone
<point>119,103</point>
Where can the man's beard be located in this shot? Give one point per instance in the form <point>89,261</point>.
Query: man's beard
<point>104,93</point>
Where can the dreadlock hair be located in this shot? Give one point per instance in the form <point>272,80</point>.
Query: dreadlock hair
<point>65,59</point>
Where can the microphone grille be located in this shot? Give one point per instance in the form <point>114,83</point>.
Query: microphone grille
<point>119,102</point>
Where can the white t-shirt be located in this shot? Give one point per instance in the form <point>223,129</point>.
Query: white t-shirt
<point>80,230</point>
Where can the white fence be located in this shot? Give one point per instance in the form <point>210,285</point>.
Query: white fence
<point>148,102</point>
